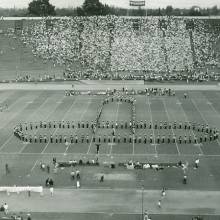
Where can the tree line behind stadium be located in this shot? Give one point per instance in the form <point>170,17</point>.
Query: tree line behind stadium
<point>91,7</point>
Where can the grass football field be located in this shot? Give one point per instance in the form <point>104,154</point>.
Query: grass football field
<point>34,106</point>
<point>44,105</point>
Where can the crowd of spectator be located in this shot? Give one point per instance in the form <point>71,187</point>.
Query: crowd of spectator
<point>123,48</point>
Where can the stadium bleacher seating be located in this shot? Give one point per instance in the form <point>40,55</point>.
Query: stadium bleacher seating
<point>172,46</point>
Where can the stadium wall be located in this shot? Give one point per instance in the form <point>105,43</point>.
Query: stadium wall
<point>66,18</point>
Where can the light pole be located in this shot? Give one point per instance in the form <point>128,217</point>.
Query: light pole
<point>142,199</point>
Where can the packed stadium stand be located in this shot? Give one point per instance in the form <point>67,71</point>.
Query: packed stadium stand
<point>102,47</point>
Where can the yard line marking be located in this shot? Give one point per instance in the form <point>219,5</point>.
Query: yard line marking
<point>8,123</point>
<point>17,100</point>
<point>187,119</point>
<point>151,117</point>
<point>33,113</point>
<point>25,145</point>
<point>216,112</point>
<point>45,119</point>
<point>171,126</point>
<point>35,164</point>
<point>111,144</point>
<point>61,120</point>
<point>204,119</point>
<point>5,97</point>
<point>116,118</point>
<point>16,113</point>
<point>90,144</point>
<point>68,145</point>
<point>107,155</point>
<point>81,117</point>
<point>133,145</point>
<point>178,102</point>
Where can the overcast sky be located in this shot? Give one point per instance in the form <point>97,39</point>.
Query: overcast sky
<point>120,3</point>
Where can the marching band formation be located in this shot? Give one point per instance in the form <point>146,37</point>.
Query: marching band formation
<point>204,133</point>
<point>186,132</point>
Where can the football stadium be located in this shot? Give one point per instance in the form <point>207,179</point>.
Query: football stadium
<point>108,117</point>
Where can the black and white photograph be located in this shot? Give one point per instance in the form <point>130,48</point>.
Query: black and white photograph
<point>109,110</point>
